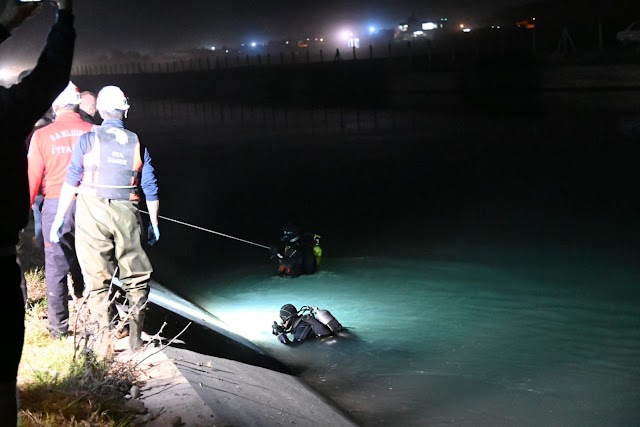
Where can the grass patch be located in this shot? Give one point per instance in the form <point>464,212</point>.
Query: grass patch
<point>61,384</point>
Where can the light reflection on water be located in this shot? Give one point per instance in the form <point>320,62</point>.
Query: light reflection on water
<point>418,335</point>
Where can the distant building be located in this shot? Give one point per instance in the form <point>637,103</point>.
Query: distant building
<point>415,28</point>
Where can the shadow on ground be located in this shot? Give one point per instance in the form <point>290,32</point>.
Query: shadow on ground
<point>202,340</point>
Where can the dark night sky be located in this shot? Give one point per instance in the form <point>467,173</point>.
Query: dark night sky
<point>156,25</point>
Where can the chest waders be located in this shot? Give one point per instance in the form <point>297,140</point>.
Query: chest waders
<point>108,230</point>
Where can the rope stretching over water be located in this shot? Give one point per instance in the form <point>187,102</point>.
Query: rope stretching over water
<point>208,231</point>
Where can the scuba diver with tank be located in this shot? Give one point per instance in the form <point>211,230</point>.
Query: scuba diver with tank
<point>298,252</point>
<point>308,322</point>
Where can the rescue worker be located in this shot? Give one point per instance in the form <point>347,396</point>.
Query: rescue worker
<point>298,252</point>
<point>21,105</point>
<point>308,322</point>
<point>109,170</point>
<point>48,158</point>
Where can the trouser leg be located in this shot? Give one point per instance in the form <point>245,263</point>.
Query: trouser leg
<point>99,321</point>
<point>108,233</point>
<point>137,298</point>
<point>68,242</point>
<point>37,222</point>
<point>56,268</point>
<point>95,250</point>
<point>134,267</point>
<point>136,325</point>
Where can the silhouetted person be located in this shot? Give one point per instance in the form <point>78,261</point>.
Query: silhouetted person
<point>46,119</point>
<point>21,105</point>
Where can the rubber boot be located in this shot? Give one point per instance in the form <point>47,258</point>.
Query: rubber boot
<point>136,323</point>
<point>100,319</point>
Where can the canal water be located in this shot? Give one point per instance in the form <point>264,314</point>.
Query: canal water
<point>484,262</point>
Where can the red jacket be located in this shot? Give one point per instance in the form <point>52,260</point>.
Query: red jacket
<point>50,153</point>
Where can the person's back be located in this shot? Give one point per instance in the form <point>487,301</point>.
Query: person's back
<point>54,144</point>
<point>298,252</point>
<point>51,147</point>
<point>49,156</point>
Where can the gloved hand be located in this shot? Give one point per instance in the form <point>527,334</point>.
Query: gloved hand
<point>153,234</point>
<point>278,331</point>
<point>274,252</point>
<point>54,236</point>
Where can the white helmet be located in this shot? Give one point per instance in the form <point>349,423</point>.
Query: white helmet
<point>111,98</point>
<point>69,96</point>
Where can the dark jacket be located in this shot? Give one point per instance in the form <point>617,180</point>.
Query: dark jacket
<point>21,105</point>
<point>87,117</point>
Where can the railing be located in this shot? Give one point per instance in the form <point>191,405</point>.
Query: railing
<point>168,115</point>
<point>445,54</point>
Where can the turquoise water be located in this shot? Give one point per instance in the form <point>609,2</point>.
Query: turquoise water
<point>450,342</point>
<point>484,265</point>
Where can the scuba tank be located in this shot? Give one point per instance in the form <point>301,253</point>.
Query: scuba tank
<point>328,320</point>
<point>317,250</point>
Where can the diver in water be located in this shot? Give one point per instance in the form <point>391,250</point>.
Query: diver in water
<point>298,252</point>
<point>306,323</point>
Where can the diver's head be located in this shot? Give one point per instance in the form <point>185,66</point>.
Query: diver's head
<point>291,233</point>
<point>287,311</point>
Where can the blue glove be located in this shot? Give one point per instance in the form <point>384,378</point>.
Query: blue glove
<point>54,237</point>
<point>153,234</point>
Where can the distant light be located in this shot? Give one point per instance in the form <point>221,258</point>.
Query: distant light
<point>461,25</point>
<point>418,33</point>
<point>466,30</point>
<point>429,26</point>
<point>346,35</point>
<point>287,42</point>
<point>213,48</point>
<point>5,74</point>
<point>253,44</point>
<point>321,39</point>
<point>372,30</point>
<point>226,51</point>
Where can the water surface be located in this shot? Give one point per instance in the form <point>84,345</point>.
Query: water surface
<point>483,263</point>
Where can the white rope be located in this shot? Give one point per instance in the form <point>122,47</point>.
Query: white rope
<point>207,230</point>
